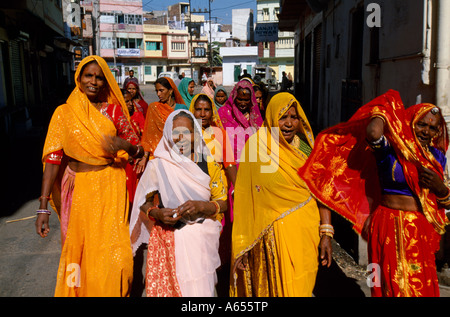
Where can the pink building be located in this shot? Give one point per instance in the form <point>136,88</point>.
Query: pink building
<point>121,36</point>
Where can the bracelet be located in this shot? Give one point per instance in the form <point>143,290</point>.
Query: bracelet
<point>150,210</point>
<point>44,197</point>
<point>138,151</point>
<point>44,211</point>
<point>379,117</point>
<point>217,207</point>
<point>446,197</point>
<point>326,230</point>
<point>327,234</point>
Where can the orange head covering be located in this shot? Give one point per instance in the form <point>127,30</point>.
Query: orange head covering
<point>155,119</point>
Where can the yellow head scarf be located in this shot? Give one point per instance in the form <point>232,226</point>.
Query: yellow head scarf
<point>268,187</point>
<point>215,117</point>
<point>79,128</point>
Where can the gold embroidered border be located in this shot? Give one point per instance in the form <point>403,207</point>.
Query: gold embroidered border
<point>270,225</point>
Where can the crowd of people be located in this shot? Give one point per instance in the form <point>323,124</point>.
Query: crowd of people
<point>233,192</point>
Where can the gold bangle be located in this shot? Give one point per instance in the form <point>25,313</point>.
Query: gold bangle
<point>379,117</point>
<point>327,230</point>
<point>326,234</point>
<point>445,197</point>
<point>217,207</point>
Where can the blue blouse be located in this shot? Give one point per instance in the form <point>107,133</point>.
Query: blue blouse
<point>390,172</point>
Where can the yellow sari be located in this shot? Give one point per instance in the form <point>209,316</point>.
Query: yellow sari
<point>275,218</point>
<point>96,257</point>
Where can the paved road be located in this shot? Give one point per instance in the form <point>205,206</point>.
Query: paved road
<point>28,263</point>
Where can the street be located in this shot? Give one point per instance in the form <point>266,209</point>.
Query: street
<point>29,263</point>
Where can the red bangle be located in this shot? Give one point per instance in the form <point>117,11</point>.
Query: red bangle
<point>149,210</point>
<point>44,197</point>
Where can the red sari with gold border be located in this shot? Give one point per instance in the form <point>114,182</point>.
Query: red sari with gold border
<point>341,172</point>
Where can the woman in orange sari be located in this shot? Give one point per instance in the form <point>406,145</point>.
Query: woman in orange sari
<point>91,134</point>
<point>157,113</point>
<point>384,171</point>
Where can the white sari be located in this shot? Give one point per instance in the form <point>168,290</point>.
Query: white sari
<point>178,179</point>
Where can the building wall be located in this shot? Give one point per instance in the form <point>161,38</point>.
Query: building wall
<point>341,63</point>
<point>242,24</point>
<point>243,57</point>
<point>278,55</point>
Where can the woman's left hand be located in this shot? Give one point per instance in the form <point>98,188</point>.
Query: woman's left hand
<point>431,180</point>
<point>326,251</point>
<point>193,209</point>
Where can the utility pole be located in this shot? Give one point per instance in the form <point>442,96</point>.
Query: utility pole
<point>190,41</point>
<point>210,39</point>
<point>96,26</point>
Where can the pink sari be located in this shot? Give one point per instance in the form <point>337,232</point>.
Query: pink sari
<point>238,127</point>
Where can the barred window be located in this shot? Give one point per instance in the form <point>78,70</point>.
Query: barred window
<point>178,46</point>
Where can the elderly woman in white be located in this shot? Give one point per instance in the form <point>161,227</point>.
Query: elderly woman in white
<point>179,201</point>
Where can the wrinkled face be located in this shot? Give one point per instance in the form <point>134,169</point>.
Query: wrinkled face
<point>427,128</point>
<point>92,81</point>
<point>129,103</point>
<point>132,89</point>
<point>289,124</point>
<point>183,135</point>
<point>203,110</point>
<point>191,88</point>
<point>243,100</point>
<point>221,97</point>
<point>163,93</point>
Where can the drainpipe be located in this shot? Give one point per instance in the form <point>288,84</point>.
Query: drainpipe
<point>426,45</point>
<point>443,59</point>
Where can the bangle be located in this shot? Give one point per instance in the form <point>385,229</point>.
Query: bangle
<point>44,211</point>
<point>326,230</point>
<point>217,207</point>
<point>379,117</point>
<point>44,197</point>
<point>327,234</point>
<point>149,210</point>
<point>138,151</point>
<point>445,197</point>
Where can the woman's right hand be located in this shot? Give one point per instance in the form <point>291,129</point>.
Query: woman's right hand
<point>42,225</point>
<point>139,167</point>
<point>241,263</point>
<point>166,215</point>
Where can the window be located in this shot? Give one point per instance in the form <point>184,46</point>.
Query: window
<point>153,46</point>
<point>276,11</point>
<point>178,46</point>
<point>199,52</point>
<point>111,17</point>
<point>133,19</point>
<point>106,43</point>
<point>129,43</point>
<point>148,70</point>
<point>266,16</point>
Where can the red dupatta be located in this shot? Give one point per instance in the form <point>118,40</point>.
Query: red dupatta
<point>341,171</point>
